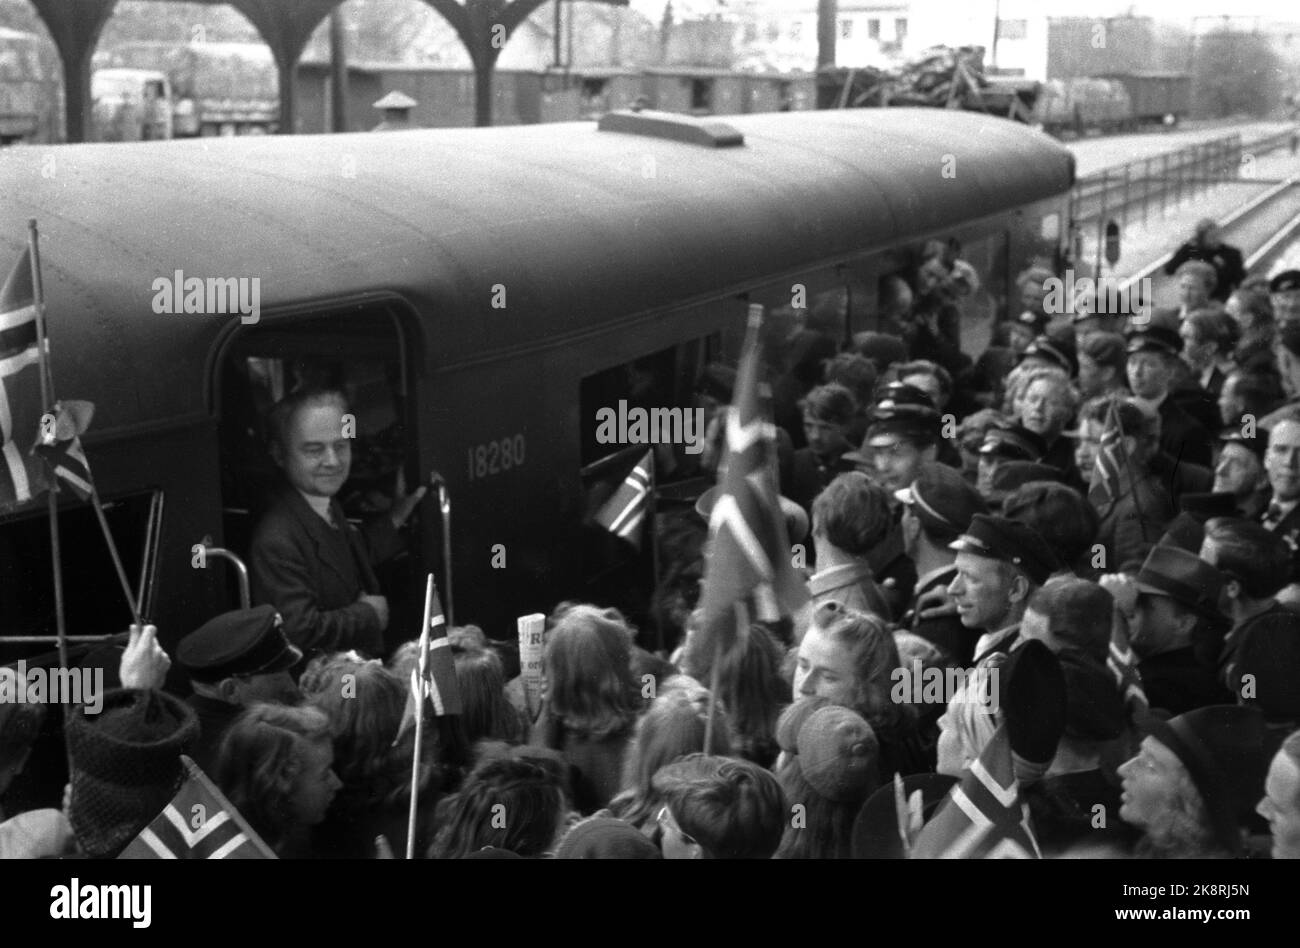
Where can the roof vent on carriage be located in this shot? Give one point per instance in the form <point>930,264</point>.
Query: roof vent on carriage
<point>673,127</point>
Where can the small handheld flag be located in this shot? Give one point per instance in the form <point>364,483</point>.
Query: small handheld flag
<point>434,677</point>
<point>60,445</point>
<point>199,823</point>
<point>984,816</point>
<point>624,513</point>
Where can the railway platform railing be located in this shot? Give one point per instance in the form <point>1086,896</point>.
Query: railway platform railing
<point>1134,191</point>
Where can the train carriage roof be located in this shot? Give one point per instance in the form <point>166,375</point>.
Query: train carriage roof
<point>578,225</point>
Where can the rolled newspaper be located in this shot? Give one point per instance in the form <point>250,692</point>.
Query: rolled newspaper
<point>530,659</point>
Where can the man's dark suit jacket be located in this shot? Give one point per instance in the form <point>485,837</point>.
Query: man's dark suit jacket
<point>313,573</point>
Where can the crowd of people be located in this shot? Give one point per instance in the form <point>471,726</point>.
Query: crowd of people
<point>1095,524</point>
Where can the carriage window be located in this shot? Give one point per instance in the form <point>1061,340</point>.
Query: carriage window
<point>661,384</point>
<point>356,353</point>
<point>93,600</point>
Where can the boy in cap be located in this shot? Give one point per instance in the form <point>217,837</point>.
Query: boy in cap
<point>937,508</point>
<point>234,660</point>
<point>1152,363</point>
<point>1172,612</point>
<point>999,564</point>
<point>1282,517</point>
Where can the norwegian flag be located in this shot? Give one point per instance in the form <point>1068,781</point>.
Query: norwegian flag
<point>61,447</point>
<point>22,476</point>
<point>434,677</point>
<point>198,823</point>
<point>1123,663</point>
<point>749,551</point>
<point>624,513</point>
<point>1112,460</point>
<point>984,816</point>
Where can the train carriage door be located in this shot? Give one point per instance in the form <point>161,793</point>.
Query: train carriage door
<point>361,351</point>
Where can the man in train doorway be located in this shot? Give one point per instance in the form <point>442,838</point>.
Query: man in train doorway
<point>307,560</point>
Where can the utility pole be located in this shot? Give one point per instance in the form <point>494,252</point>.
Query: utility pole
<point>827,14</point>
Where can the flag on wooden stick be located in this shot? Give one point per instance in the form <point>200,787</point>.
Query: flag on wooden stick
<point>749,557</point>
<point>434,677</point>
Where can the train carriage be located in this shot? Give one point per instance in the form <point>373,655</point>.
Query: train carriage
<point>479,293</point>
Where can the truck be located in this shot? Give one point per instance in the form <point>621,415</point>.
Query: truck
<point>30,100</point>
<point>218,88</point>
<point>131,105</point>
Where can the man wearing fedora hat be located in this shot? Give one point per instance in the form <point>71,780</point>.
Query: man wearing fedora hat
<point>1172,612</point>
<point>1152,361</point>
<point>999,564</point>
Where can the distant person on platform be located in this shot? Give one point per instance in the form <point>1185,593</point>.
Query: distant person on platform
<point>396,107</point>
<point>307,560</point>
<point>1208,245</point>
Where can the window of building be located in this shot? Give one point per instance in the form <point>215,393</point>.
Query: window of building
<point>846,29</point>
<point>796,30</point>
<point>900,28</point>
<point>873,29</point>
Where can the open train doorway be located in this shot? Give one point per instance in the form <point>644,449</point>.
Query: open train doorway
<point>359,351</point>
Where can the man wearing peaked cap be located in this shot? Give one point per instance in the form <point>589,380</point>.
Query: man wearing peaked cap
<point>1000,563</point>
<point>937,509</point>
<point>1284,294</point>
<point>902,434</point>
<point>1152,366</point>
<point>1239,471</point>
<point>234,660</point>
<point>1052,353</point>
<point>1172,612</point>
<point>1004,443</point>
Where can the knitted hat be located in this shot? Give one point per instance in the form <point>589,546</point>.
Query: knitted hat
<point>838,754</point>
<point>792,719</point>
<point>1222,747</point>
<point>126,765</point>
<point>603,837</point>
